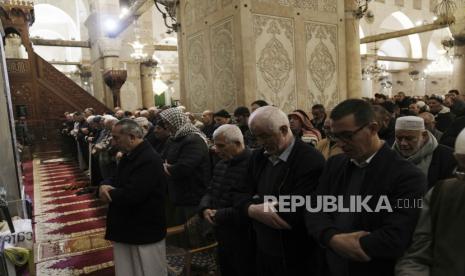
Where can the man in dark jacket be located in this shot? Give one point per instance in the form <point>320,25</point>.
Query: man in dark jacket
<point>360,242</point>
<point>419,146</point>
<point>285,166</point>
<point>235,248</point>
<point>136,215</point>
<point>442,114</point>
<point>241,115</point>
<point>187,164</point>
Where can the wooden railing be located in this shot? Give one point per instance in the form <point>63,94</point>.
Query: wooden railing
<point>65,88</point>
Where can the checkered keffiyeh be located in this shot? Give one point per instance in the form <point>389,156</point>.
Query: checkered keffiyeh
<point>175,117</point>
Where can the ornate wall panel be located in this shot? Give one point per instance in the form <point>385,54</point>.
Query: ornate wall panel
<point>275,60</point>
<point>314,5</point>
<point>197,87</point>
<point>321,63</point>
<point>224,3</point>
<point>224,79</point>
<point>327,6</point>
<point>197,10</point>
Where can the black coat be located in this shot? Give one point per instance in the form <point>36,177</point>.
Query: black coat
<point>220,195</point>
<point>449,136</point>
<point>190,169</point>
<point>442,165</point>
<point>233,231</point>
<point>444,121</point>
<point>303,168</point>
<point>136,214</point>
<point>387,174</point>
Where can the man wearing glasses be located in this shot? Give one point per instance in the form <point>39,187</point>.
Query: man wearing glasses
<point>363,242</point>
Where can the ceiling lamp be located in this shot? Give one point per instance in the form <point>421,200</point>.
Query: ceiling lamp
<point>138,48</point>
<point>444,10</point>
<point>441,66</point>
<point>169,13</point>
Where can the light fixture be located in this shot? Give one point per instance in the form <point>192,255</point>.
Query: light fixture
<point>441,65</point>
<point>374,69</point>
<point>138,48</point>
<point>445,10</point>
<point>419,23</point>
<point>110,25</point>
<point>168,14</point>
<point>362,9</point>
<point>123,13</point>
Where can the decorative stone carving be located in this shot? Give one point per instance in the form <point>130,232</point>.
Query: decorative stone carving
<point>224,3</point>
<point>189,11</point>
<point>306,4</point>
<point>224,82</point>
<point>18,66</point>
<point>321,61</point>
<point>211,6</point>
<point>274,52</point>
<point>196,73</point>
<point>327,6</point>
<point>320,5</point>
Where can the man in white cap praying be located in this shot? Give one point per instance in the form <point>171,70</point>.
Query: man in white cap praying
<point>419,146</point>
<point>438,246</point>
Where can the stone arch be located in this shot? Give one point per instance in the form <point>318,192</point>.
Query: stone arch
<point>47,18</point>
<point>405,22</point>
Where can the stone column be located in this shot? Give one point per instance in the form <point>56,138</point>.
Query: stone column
<point>459,65</point>
<point>104,51</point>
<point>458,33</point>
<point>288,53</point>
<point>9,170</point>
<point>352,49</point>
<point>146,72</point>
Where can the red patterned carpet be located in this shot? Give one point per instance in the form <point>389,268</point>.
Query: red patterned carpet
<point>68,228</point>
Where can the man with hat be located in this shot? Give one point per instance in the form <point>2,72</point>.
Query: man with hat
<point>438,246</point>
<point>420,147</point>
<point>221,117</point>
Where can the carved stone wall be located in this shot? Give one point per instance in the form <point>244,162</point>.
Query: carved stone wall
<point>275,59</point>
<point>287,52</point>
<point>321,63</point>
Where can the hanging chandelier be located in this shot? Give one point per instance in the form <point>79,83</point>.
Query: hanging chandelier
<point>138,48</point>
<point>374,69</point>
<point>441,66</point>
<point>168,13</point>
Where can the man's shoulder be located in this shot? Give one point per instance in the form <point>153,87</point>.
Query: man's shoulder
<point>304,151</point>
<point>148,154</point>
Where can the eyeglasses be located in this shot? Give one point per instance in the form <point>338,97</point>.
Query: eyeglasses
<point>345,135</point>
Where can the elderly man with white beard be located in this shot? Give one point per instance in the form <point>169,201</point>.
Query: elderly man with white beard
<point>419,146</point>
<point>438,246</point>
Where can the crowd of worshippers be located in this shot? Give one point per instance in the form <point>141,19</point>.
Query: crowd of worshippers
<point>160,167</point>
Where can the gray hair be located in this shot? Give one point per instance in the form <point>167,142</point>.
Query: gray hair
<point>270,115</point>
<point>144,124</point>
<point>232,133</point>
<point>130,127</point>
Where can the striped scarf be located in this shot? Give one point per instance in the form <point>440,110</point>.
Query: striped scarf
<point>175,117</point>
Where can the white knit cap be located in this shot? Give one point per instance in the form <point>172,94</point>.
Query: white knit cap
<point>460,143</point>
<point>421,104</point>
<point>410,123</point>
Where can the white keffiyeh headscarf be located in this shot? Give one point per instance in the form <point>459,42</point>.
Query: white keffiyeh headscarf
<point>175,117</point>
